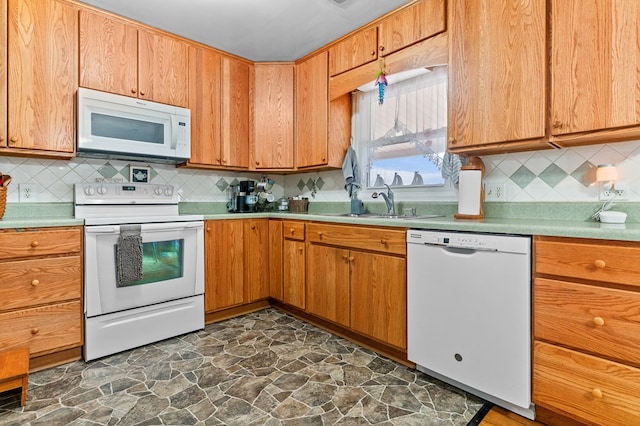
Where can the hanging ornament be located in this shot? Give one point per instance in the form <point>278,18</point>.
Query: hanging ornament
<point>381,81</point>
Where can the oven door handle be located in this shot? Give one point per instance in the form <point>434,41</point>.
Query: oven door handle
<point>102,229</point>
<point>174,226</point>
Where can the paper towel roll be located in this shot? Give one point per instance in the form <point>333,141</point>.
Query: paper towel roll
<point>470,188</point>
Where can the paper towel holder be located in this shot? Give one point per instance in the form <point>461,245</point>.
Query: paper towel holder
<point>475,163</point>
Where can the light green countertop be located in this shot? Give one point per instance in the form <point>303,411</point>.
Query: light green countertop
<point>552,219</point>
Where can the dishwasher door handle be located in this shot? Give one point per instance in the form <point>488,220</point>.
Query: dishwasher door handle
<point>461,250</point>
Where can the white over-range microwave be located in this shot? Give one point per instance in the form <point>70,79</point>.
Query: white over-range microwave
<point>115,126</point>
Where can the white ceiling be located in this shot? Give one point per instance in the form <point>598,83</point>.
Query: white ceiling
<point>259,30</point>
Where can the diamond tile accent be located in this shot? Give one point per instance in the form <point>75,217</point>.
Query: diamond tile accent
<point>301,185</point>
<point>319,183</point>
<point>235,182</point>
<point>310,183</point>
<point>152,174</point>
<point>523,176</point>
<point>107,170</point>
<point>222,184</point>
<point>585,174</point>
<point>553,175</point>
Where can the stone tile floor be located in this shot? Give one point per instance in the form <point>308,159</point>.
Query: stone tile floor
<point>264,368</point>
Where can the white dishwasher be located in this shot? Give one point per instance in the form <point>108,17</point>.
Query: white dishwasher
<point>469,313</point>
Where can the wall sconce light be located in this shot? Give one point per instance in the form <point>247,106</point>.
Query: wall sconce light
<point>607,174</point>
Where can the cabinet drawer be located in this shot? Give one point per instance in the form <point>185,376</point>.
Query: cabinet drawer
<point>39,242</point>
<point>609,261</point>
<point>293,230</point>
<point>27,283</point>
<point>584,386</point>
<point>44,329</point>
<point>599,320</point>
<point>375,239</point>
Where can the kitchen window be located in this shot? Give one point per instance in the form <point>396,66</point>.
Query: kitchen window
<point>402,141</point>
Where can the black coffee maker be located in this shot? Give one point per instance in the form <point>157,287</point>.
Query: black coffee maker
<point>246,201</point>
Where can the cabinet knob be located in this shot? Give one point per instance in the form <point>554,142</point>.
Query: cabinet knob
<point>257,163</point>
<point>320,234</point>
<point>345,257</point>
<point>452,141</point>
<point>351,258</point>
<point>35,282</point>
<point>300,249</point>
<point>598,321</point>
<point>34,244</point>
<point>13,139</point>
<point>141,93</point>
<point>292,231</point>
<point>556,124</point>
<point>597,393</point>
<point>1,138</point>
<point>373,52</point>
<point>253,227</point>
<point>35,331</point>
<point>599,264</point>
<point>384,241</point>
<point>133,91</point>
<point>208,229</point>
<point>381,48</point>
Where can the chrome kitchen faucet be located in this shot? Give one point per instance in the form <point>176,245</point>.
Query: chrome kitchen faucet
<point>388,199</point>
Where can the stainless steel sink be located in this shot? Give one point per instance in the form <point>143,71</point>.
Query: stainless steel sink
<point>383,216</point>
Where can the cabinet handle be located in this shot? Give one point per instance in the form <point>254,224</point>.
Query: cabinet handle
<point>13,139</point>
<point>320,234</point>
<point>381,48</point>
<point>133,91</point>
<point>384,241</point>
<point>35,331</point>
<point>345,257</point>
<point>35,282</point>
<point>141,93</point>
<point>351,258</point>
<point>597,393</point>
<point>253,227</point>
<point>293,231</point>
<point>452,141</point>
<point>598,321</point>
<point>556,124</point>
<point>34,244</point>
<point>257,163</point>
<point>208,229</point>
<point>599,264</point>
<point>373,52</point>
<point>300,249</point>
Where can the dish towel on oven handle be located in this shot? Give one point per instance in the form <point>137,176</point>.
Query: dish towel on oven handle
<point>129,255</point>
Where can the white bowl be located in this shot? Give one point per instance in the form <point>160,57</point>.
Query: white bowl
<point>612,217</point>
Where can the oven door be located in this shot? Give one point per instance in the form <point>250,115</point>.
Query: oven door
<point>173,266</point>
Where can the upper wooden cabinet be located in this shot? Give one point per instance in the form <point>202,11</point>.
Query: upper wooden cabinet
<point>410,25</point>
<point>272,142</point>
<point>594,70</point>
<point>355,50</point>
<point>497,70</point>
<point>38,102</point>
<point>312,111</point>
<point>234,140</point>
<point>212,144</point>
<point>118,57</point>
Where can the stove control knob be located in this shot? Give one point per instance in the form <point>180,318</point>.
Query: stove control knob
<point>102,190</point>
<point>89,190</point>
<point>168,191</point>
<point>158,190</point>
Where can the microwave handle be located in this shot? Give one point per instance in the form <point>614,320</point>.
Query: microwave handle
<point>174,131</point>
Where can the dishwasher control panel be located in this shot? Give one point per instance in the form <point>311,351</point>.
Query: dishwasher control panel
<point>460,240</point>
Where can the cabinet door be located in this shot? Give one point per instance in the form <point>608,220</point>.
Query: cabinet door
<point>204,102</point>
<point>379,297</point>
<point>108,54</point>
<point>595,64</point>
<point>415,23</point>
<point>3,73</point>
<point>257,258</point>
<point>42,39</point>
<point>312,110</point>
<point>328,283</point>
<point>163,69</point>
<point>224,263</point>
<point>275,260</point>
<point>235,113</point>
<point>273,117</point>
<point>496,71</point>
<point>355,50</point>
<point>294,273</point>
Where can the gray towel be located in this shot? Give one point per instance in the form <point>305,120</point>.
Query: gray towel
<point>129,255</point>
<point>351,173</point>
<point>451,167</point>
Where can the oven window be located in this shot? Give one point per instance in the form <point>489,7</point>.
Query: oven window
<point>161,261</point>
<point>110,126</point>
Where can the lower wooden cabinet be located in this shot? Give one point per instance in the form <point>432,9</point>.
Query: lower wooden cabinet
<point>41,292</point>
<point>356,277</point>
<point>276,287</point>
<point>257,258</point>
<point>586,362</point>
<point>293,262</point>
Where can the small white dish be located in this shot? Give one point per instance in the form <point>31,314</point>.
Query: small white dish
<point>612,217</point>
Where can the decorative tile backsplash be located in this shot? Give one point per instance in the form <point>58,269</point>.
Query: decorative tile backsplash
<point>548,175</point>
